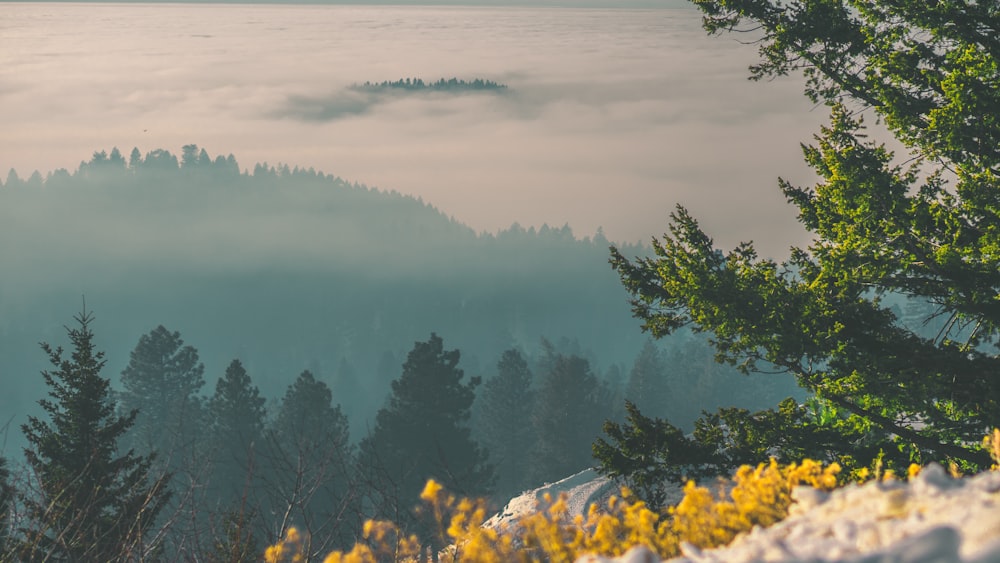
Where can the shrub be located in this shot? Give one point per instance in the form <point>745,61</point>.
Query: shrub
<point>759,496</point>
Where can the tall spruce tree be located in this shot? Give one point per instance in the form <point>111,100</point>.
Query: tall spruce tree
<point>162,381</point>
<point>92,502</point>
<point>505,403</point>
<point>236,411</point>
<point>422,433</point>
<point>309,459</point>
<point>927,229</point>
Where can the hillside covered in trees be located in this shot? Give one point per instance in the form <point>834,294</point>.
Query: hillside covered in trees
<point>343,345</point>
<point>292,347</point>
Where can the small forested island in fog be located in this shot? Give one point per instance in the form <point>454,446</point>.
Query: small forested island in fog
<point>417,84</point>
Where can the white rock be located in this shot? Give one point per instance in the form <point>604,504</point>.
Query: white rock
<point>934,518</point>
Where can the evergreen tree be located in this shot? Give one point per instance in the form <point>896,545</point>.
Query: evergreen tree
<point>134,159</point>
<point>927,230</point>
<point>569,410</point>
<point>651,456</point>
<point>423,433</point>
<point>647,383</point>
<point>92,503</point>
<point>162,381</point>
<point>505,403</point>
<point>309,459</point>
<point>236,411</point>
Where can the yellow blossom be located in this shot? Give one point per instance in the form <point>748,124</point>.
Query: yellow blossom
<point>431,490</point>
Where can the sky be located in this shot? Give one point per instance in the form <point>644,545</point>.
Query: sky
<point>617,4</point>
<point>610,119</point>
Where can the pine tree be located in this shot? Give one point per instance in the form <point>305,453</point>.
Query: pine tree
<point>309,462</point>
<point>423,433</point>
<point>92,503</point>
<point>504,405</point>
<point>926,228</point>
<point>650,456</point>
<point>236,411</point>
<point>162,381</point>
<point>568,414</point>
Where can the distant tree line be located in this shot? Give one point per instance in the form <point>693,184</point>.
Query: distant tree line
<point>346,276</point>
<point>441,85</point>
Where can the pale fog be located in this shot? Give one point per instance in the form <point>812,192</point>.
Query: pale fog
<point>609,119</point>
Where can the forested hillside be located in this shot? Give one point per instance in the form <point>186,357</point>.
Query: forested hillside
<point>286,269</point>
<point>293,343</point>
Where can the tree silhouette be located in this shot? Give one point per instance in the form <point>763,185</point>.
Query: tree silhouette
<point>505,404</point>
<point>236,412</point>
<point>92,503</point>
<point>162,381</point>
<point>567,417</point>
<point>423,433</point>
<point>309,466</point>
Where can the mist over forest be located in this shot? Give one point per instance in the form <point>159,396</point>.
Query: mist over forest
<point>212,359</point>
<point>308,304</point>
<point>288,269</point>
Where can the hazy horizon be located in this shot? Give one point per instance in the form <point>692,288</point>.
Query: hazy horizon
<point>626,4</point>
<point>612,116</point>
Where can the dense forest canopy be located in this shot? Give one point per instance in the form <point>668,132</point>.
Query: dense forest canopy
<point>288,269</point>
<point>287,312</point>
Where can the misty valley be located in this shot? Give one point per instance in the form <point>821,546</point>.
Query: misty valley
<point>310,321</point>
<point>596,301</point>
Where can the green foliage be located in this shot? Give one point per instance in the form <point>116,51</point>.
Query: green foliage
<point>929,72</point>
<point>91,502</point>
<point>649,455</point>
<point>791,432</point>
<point>422,433</point>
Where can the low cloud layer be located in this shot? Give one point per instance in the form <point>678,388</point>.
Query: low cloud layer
<point>364,99</point>
<point>613,116</point>
<point>338,105</point>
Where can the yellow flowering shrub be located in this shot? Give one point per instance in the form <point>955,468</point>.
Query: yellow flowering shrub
<point>991,443</point>
<point>292,548</point>
<point>759,496</point>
